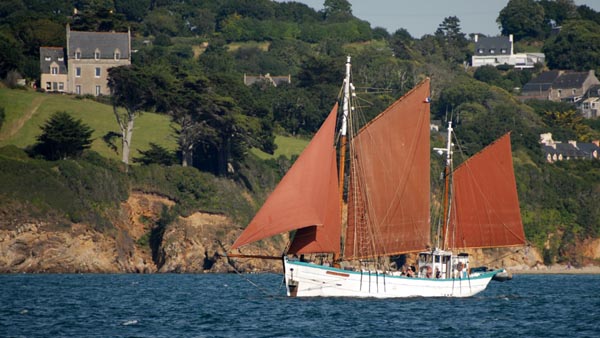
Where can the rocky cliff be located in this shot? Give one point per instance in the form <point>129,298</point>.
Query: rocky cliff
<point>193,244</point>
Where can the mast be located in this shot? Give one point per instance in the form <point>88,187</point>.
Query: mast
<point>343,133</point>
<point>447,173</point>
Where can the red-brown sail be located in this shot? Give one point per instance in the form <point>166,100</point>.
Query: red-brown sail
<point>485,209</point>
<point>388,204</point>
<point>306,197</point>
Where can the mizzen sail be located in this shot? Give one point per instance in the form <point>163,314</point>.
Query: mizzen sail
<point>388,203</point>
<point>305,199</point>
<point>485,209</point>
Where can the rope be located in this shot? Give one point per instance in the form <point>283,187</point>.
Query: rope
<point>261,289</point>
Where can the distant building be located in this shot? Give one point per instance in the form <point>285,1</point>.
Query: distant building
<point>53,69</point>
<point>590,107</point>
<point>90,55</point>
<point>268,79</point>
<point>83,69</point>
<point>496,51</point>
<point>572,150</point>
<point>580,88</point>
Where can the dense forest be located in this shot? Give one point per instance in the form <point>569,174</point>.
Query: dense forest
<point>190,57</point>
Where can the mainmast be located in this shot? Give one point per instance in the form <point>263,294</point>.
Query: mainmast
<point>343,133</point>
<point>447,172</point>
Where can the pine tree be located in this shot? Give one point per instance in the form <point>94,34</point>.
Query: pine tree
<point>63,137</point>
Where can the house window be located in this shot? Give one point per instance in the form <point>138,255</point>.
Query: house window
<point>559,92</point>
<point>54,70</point>
<point>78,71</point>
<point>492,51</point>
<point>54,86</point>
<point>61,59</point>
<point>503,50</point>
<point>61,86</point>
<point>480,51</point>
<point>98,90</point>
<point>117,55</point>
<point>574,91</point>
<point>78,55</point>
<point>97,71</point>
<point>78,89</point>
<point>47,58</point>
<point>97,54</point>
<point>48,85</point>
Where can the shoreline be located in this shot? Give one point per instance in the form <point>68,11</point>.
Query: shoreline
<point>556,270</point>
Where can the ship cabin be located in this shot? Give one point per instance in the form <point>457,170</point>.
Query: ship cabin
<point>442,264</point>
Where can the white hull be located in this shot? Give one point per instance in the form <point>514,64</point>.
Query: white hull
<point>312,280</point>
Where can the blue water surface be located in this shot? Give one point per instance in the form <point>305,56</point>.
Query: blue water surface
<point>229,305</point>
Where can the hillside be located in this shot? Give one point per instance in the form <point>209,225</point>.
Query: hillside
<point>27,110</point>
<point>188,62</point>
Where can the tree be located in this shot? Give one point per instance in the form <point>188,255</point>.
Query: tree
<point>63,137</point>
<point>577,46</point>
<point>156,154</point>
<point>129,88</point>
<point>337,9</point>
<point>452,39</point>
<point>522,18</point>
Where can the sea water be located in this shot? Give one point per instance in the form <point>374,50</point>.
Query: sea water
<point>230,305</point>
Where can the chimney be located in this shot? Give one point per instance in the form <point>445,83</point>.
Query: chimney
<point>476,37</point>
<point>573,143</point>
<point>596,142</point>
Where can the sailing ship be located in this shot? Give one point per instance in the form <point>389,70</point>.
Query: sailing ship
<point>387,209</point>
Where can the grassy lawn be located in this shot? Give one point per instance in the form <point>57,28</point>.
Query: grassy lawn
<point>26,111</point>
<point>286,146</point>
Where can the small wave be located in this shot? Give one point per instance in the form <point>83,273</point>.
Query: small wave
<point>129,322</point>
<point>24,311</point>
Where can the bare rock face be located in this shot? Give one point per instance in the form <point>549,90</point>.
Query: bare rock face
<point>197,243</point>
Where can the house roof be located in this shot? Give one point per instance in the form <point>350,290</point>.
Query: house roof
<point>594,91</point>
<point>580,150</point>
<point>541,83</point>
<point>570,80</point>
<point>48,55</point>
<point>106,42</point>
<point>496,43</point>
<point>588,148</point>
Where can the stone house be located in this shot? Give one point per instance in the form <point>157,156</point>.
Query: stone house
<point>560,85</point>
<point>89,57</point>
<point>572,150</point>
<point>53,69</point>
<point>83,67</point>
<point>498,50</point>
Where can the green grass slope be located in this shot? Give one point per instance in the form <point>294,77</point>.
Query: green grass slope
<point>26,111</point>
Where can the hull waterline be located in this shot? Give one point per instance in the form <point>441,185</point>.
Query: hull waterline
<point>311,280</point>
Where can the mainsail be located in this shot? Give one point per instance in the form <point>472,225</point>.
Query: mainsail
<point>388,203</point>
<point>485,209</point>
<point>306,200</point>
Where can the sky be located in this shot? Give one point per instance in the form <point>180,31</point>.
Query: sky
<point>422,17</point>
